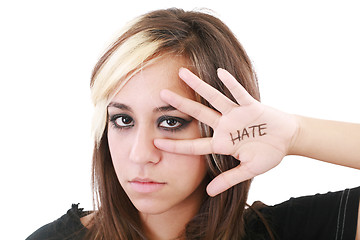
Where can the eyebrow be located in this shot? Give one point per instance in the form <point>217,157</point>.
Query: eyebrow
<point>121,106</point>
<point>167,108</point>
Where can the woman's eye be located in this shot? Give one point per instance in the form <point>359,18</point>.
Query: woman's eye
<point>122,121</point>
<point>169,123</point>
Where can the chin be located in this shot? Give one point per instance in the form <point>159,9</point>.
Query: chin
<point>146,206</point>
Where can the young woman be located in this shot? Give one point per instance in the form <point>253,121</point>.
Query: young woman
<point>178,139</point>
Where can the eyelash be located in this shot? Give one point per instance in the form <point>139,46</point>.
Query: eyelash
<point>183,123</point>
<point>115,117</point>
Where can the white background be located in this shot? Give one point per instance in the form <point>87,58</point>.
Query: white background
<point>306,54</point>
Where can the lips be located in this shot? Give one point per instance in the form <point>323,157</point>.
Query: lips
<point>146,185</point>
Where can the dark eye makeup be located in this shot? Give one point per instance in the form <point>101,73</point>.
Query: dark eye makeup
<point>170,123</point>
<point>121,121</point>
<point>165,122</point>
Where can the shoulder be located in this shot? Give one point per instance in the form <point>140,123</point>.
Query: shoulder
<point>332,215</point>
<point>69,226</point>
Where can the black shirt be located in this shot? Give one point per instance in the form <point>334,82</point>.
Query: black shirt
<point>330,216</point>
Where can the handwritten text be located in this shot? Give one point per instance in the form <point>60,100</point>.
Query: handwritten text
<point>249,132</point>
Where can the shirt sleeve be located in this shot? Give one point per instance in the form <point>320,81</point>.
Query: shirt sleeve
<point>66,227</point>
<point>323,216</point>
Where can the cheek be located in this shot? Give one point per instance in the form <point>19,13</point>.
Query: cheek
<point>118,150</point>
<point>113,142</point>
<point>185,169</point>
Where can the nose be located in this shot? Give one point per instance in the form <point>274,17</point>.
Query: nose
<point>143,150</point>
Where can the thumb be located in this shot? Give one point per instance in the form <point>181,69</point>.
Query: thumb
<point>228,179</point>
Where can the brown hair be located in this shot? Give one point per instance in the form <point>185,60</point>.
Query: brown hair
<point>208,44</point>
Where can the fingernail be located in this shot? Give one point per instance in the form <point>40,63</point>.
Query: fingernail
<point>219,70</point>
<point>182,72</point>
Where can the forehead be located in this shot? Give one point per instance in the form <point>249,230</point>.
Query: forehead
<point>161,74</point>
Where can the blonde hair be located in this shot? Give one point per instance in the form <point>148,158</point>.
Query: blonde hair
<point>124,62</point>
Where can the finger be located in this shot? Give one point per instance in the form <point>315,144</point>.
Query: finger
<point>237,90</point>
<point>228,179</point>
<point>200,146</point>
<point>190,107</point>
<point>212,95</point>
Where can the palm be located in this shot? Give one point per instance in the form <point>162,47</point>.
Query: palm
<point>236,128</point>
<point>257,135</point>
<point>256,138</point>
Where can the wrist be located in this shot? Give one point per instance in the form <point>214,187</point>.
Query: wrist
<point>294,145</point>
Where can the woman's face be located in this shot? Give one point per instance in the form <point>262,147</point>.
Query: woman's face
<point>155,181</point>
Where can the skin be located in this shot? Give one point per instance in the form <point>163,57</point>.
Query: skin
<point>165,187</point>
<point>272,144</point>
<point>285,134</point>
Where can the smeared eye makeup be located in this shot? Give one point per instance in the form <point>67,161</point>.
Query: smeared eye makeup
<point>164,122</point>
<point>121,121</point>
<point>170,123</point>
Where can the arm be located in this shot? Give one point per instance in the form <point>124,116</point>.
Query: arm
<point>328,141</point>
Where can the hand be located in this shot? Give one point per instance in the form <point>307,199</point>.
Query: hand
<point>256,135</point>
